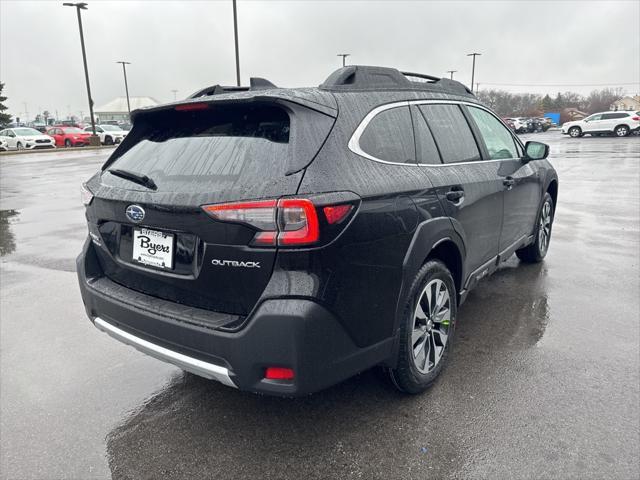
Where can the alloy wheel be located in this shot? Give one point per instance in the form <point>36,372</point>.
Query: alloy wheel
<point>544,228</point>
<point>431,322</point>
<point>621,131</point>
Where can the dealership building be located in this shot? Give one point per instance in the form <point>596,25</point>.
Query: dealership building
<point>116,110</point>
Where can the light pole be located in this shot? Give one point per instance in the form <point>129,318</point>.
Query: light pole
<point>235,34</point>
<point>451,72</point>
<point>126,86</point>
<point>473,67</point>
<point>175,92</point>
<point>344,58</point>
<point>78,7</point>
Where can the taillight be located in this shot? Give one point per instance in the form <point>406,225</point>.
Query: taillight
<point>635,118</point>
<point>297,222</point>
<point>288,222</point>
<point>336,213</point>
<point>261,215</point>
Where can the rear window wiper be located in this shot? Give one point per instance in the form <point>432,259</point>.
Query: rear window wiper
<point>134,177</point>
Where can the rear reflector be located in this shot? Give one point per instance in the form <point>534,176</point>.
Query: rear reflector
<point>186,107</point>
<point>278,373</point>
<point>336,213</point>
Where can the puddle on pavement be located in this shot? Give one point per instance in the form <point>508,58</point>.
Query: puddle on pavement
<point>7,238</point>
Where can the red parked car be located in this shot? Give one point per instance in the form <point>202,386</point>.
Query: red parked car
<point>69,136</point>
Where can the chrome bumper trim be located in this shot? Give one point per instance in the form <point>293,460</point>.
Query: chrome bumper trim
<point>190,364</point>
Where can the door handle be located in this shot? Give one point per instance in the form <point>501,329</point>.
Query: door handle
<point>455,195</point>
<point>508,182</point>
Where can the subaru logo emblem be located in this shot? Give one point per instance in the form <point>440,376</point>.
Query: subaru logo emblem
<point>135,213</point>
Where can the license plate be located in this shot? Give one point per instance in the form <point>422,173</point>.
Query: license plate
<point>152,247</point>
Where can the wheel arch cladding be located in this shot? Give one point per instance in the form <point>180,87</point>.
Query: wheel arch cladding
<point>448,253</point>
<point>433,239</point>
<point>552,189</point>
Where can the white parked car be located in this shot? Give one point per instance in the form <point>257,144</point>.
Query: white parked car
<point>619,124</point>
<point>109,134</point>
<point>21,138</point>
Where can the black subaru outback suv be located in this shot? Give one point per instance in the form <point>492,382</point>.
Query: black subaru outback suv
<point>282,240</point>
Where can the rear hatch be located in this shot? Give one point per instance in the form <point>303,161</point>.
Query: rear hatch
<point>147,217</point>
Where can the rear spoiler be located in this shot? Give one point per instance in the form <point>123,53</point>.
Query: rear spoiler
<point>240,95</point>
<point>255,83</point>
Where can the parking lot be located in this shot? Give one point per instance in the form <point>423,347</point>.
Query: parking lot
<point>543,383</point>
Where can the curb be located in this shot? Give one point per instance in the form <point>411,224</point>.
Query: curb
<point>57,149</point>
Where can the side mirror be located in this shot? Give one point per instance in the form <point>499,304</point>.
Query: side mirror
<point>535,151</point>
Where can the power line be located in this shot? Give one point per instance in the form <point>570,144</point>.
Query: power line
<point>560,84</point>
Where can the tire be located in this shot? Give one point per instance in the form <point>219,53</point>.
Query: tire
<point>67,143</point>
<point>536,252</point>
<point>415,372</point>
<point>108,140</point>
<point>575,132</point>
<point>621,131</point>
<point>19,146</point>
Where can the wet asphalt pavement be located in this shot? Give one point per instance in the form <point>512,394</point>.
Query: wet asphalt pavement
<point>543,383</point>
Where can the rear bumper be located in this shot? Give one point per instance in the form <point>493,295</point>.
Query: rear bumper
<point>204,369</point>
<point>293,333</point>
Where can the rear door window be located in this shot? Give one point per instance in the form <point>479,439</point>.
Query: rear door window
<point>389,136</point>
<point>497,138</point>
<point>451,133</point>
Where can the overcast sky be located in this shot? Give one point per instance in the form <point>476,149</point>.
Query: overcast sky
<point>186,45</point>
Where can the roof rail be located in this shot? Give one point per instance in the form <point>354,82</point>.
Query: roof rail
<point>362,78</point>
<point>255,83</point>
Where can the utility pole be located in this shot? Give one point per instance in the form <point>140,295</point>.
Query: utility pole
<point>344,58</point>
<point>451,72</point>
<point>26,112</point>
<point>83,6</point>
<point>473,67</point>
<point>174,94</point>
<point>126,86</point>
<point>235,33</point>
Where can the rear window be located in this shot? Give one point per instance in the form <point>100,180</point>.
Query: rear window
<point>195,150</point>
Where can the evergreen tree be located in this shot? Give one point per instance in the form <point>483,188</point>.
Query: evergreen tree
<point>5,118</point>
<point>547,103</point>
<point>558,102</point>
